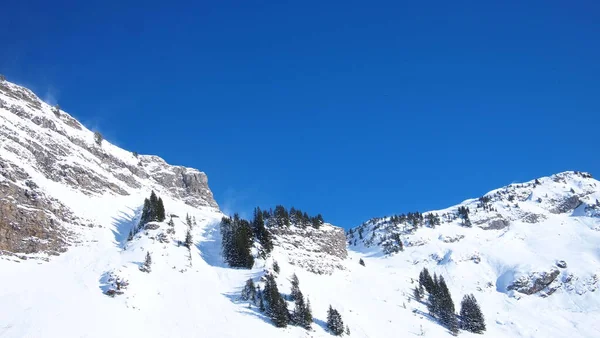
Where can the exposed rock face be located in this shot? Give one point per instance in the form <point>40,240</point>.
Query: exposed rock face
<point>566,205</point>
<point>30,221</point>
<point>494,223</point>
<point>41,143</point>
<point>534,282</point>
<point>317,250</point>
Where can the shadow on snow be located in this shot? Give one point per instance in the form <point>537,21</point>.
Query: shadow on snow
<point>123,223</point>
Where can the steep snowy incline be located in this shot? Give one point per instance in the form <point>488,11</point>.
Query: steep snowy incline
<point>52,169</point>
<point>529,252</point>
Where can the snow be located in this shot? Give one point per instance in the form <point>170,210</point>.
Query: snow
<point>192,293</point>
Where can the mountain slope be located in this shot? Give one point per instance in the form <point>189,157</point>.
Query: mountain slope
<point>531,255</point>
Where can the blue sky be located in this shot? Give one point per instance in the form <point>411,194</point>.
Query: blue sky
<point>353,109</point>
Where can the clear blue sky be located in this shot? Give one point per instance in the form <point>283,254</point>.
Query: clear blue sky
<point>353,109</point>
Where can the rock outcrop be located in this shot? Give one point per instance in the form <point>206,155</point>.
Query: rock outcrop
<point>534,282</point>
<point>321,251</point>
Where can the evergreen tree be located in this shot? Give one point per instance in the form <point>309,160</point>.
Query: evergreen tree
<point>347,330</point>
<point>147,263</point>
<point>433,300</point>
<point>153,206</point>
<point>160,210</point>
<point>471,316</point>
<point>130,237</point>
<point>308,317</point>
<point>446,311</point>
<point>275,266</point>
<point>301,315</point>
<point>426,280</point>
<point>417,293</point>
<point>361,262</point>
<point>249,291</point>
<point>295,290</point>
<point>334,322</point>
<point>189,240</point>
<point>275,305</point>
<point>260,231</point>
<point>146,214</point>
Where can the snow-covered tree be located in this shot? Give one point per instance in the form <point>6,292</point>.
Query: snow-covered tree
<point>334,322</point>
<point>146,267</point>
<point>295,290</point>
<point>471,317</point>
<point>189,240</point>
<point>249,291</point>
<point>275,305</point>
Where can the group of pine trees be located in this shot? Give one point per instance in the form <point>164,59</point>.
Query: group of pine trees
<point>274,305</point>
<point>238,235</point>
<point>281,217</point>
<point>153,211</point>
<point>441,305</point>
<point>237,240</point>
<point>463,213</point>
<point>392,244</point>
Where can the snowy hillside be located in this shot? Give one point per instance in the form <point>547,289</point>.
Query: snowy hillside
<point>529,253</point>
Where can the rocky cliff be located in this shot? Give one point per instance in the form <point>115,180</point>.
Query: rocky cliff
<point>45,153</point>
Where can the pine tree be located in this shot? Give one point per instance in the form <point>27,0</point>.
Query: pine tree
<point>425,280</point>
<point>347,330</point>
<point>446,311</point>
<point>275,307</point>
<point>147,263</point>
<point>249,291</point>
<point>146,214</point>
<point>260,231</point>
<point>130,237</point>
<point>275,266</point>
<point>334,322</point>
<point>295,290</point>
<point>160,210</point>
<point>361,262</point>
<point>471,316</point>
<point>189,240</point>
<point>308,317</point>
<point>417,293</point>
<point>153,206</point>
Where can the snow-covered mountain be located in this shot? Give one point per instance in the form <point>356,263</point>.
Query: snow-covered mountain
<point>529,252</point>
